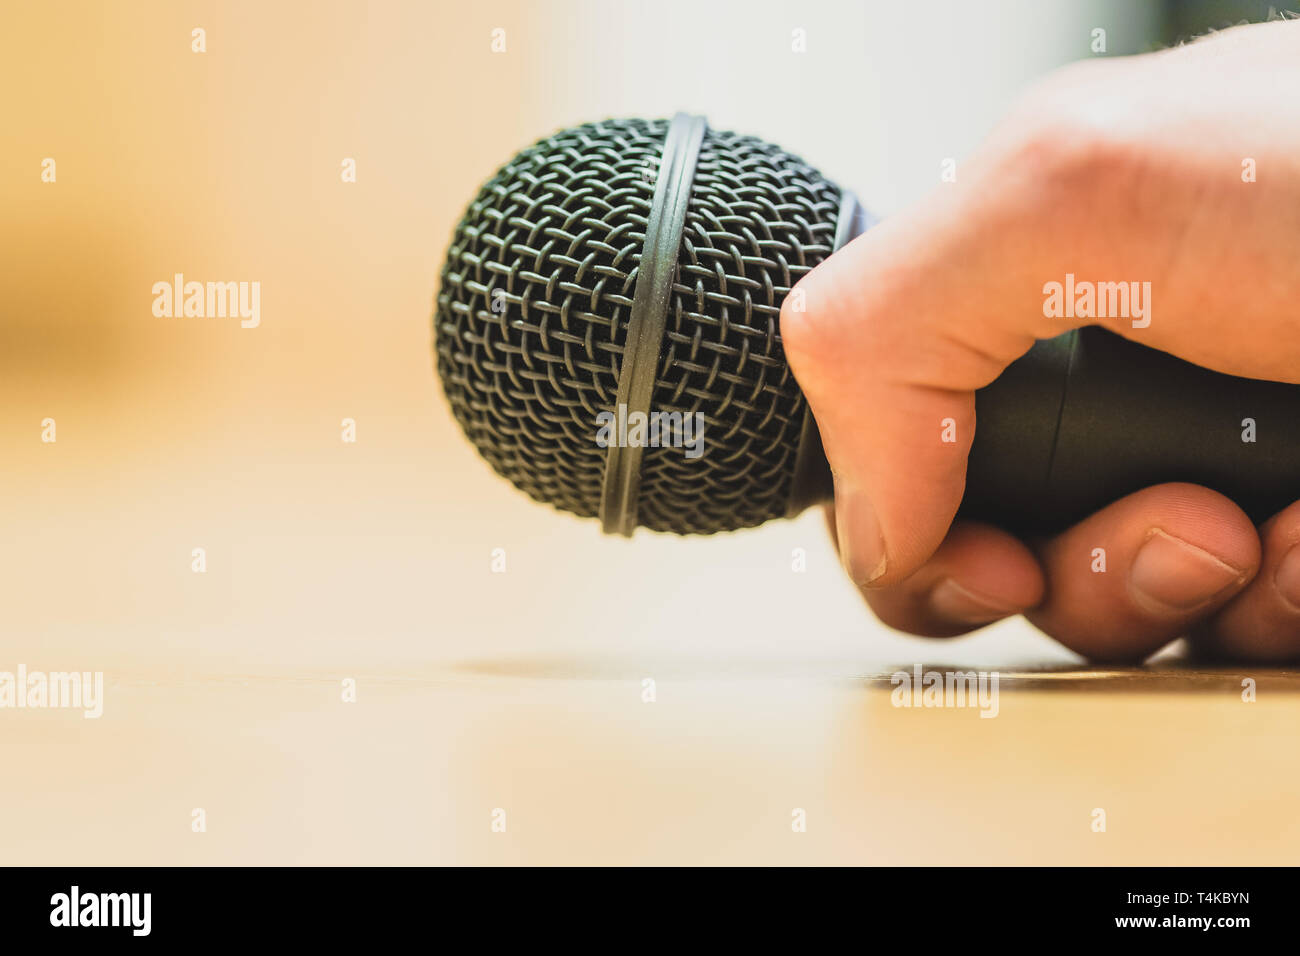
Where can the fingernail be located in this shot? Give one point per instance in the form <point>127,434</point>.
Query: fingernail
<point>952,602</point>
<point>862,547</point>
<point>1171,576</point>
<point>1287,577</point>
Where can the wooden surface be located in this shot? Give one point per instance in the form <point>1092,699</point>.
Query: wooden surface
<point>709,773</point>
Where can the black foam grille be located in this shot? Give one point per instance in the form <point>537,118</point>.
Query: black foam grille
<point>536,291</point>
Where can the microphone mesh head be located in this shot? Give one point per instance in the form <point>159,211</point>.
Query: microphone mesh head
<point>532,316</point>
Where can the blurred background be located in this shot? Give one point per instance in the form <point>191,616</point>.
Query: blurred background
<point>373,560</point>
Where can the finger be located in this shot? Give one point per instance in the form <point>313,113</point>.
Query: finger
<point>1139,573</point>
<point>892,384</point>
<point>890,337</point>
<point>979,575</point>
<point>1263,622</point>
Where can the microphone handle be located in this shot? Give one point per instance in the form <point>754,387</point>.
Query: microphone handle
<point>1088,417</point>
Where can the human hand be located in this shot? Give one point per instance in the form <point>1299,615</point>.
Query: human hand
<point>1111,170</point>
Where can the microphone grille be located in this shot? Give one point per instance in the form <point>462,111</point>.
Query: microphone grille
<point>531,319</point>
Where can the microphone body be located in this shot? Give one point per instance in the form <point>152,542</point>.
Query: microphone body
<point>1088,417</point>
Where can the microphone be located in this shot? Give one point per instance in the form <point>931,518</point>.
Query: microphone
<point>607,334</point>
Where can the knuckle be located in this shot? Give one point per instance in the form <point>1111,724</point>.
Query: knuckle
<point>1077,136</point>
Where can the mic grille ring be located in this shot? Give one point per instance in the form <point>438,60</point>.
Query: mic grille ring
<point>537,288</point>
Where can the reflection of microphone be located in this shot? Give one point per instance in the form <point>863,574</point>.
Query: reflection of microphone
<point>607,335</point>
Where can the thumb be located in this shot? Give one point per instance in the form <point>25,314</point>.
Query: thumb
<point>889,340</point>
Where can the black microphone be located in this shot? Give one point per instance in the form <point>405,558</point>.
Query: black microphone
<point>607,333</point>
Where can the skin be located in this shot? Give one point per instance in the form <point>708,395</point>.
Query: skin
<point>1114,170</point>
